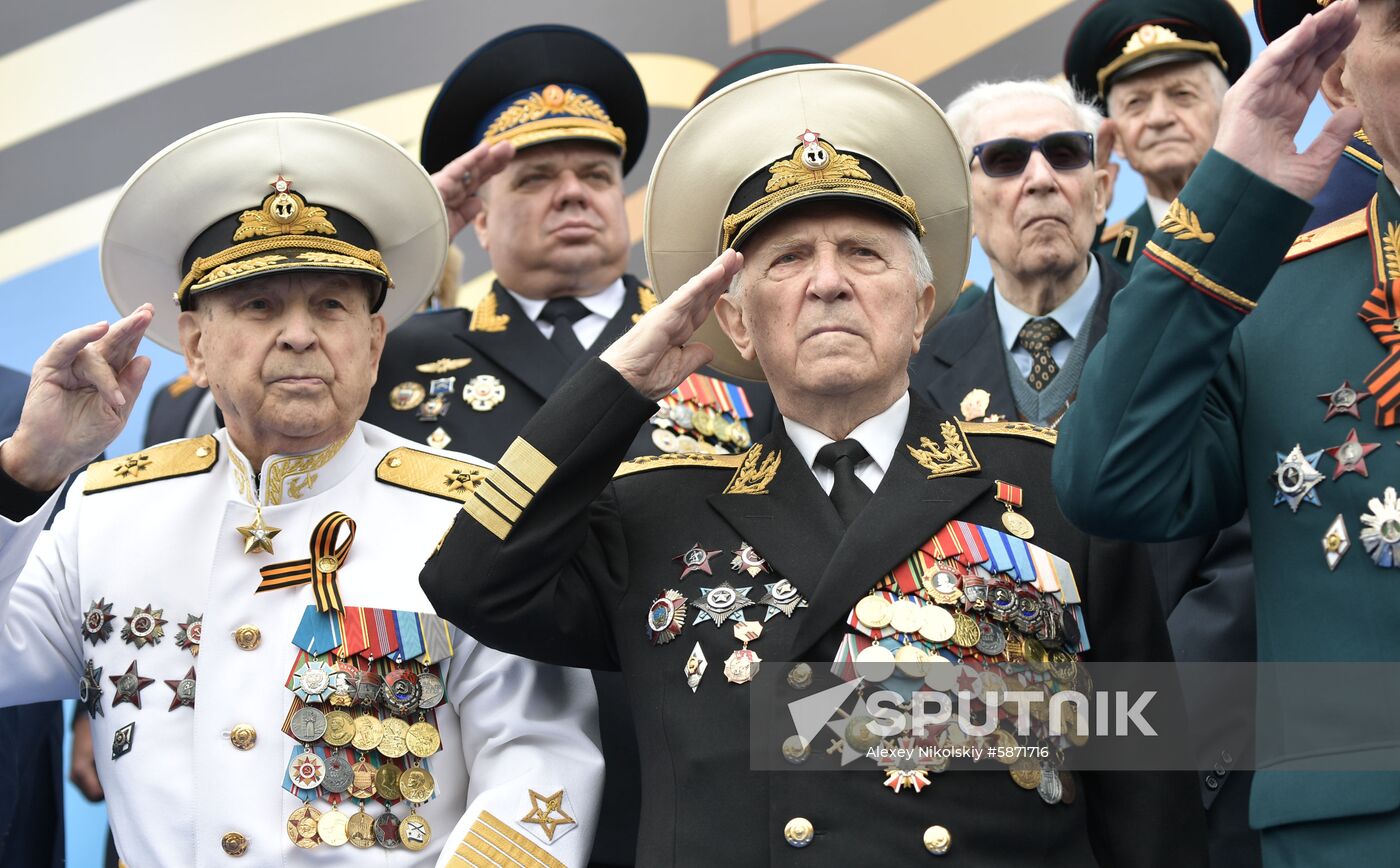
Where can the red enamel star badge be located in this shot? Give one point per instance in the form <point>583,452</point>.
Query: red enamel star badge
<point>1351,454</point>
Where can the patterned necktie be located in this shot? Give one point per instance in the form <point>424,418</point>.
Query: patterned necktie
<point>1038,336</point>
<point>848,493</point>
<point>563,313</point>
<point>1381,313</point>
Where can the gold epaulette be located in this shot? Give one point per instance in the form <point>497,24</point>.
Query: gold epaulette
<point>1124,239</point>
<point>180,385</point>
<point>664,462</point>
<point>1012,429</point>
<point>1112,232</point>
<point>1330,235</point>
<point>167,461</point>
<point>430,473</point>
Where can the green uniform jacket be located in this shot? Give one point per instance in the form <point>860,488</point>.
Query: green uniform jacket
<point>1185,409</point>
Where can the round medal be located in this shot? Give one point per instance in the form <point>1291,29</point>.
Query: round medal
<point>307,770</point>
<point>993,639</point>
<point>1017,524</point>
<point>386,782</point>
<point>966,633</point>
<point>705,421</point>
<point>423,739</point>
<point>1026,773</point>
<point>312,681</point>
<point>875,663</point>
<point>938,624</point>
<point>302,827</point>
<point>431,690</point>
<point>407,395</point>
<point>414,832</point>
<point>741,666</point>
<point>687,445</point>
<point>340,728</point>
<point>910,660</point>
<point>360,830</point>
<point>393,742</point>
<point>859,734</point>
<point>873,611</point>
<point>665,440</point>
<point>308,724</point>
<point>906,616</point>
<point>795,750</point>
<point>723,428</point>
<point>1051,789</point>
<point>683,415</point>
<point>339,773</point>
<point>368,732</point>
<point>386,830</point>
<point>331,827</point>
<point>739,436</point>
<point>417,785</point>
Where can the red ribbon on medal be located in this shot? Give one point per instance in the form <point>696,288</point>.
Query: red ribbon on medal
<point>320,569</point>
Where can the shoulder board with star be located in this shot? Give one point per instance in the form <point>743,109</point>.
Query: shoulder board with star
<point>1330,235</point>
<point>1011,429</point>
<point>167,461</point>
<point>430,473</point>
<point>672,460</point>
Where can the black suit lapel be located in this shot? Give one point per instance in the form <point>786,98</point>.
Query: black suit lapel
<point>620,323</point>
<point>519,348</point>
<point>904,512</point>
<point>975,359</point>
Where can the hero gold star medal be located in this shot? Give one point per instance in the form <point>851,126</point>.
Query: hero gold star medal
<point>257,537</point>
<point>1335,542</point>
<point>1380,530</point>
<point>696,560</point>
<point>1350,455</point>
<point>666,617</point>
<point>1010,496</point>
<point>742,665</point>
<point>1343,400</point>
<point>1296,478</point>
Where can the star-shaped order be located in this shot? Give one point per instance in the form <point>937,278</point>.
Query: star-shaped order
<point>190,631</point>
<point>746,560</point>
<point>257,537</point>
<point>90,690</point>
<point>1296,478</point>
<point>1343,400</point>
<point>1351,454</point>
<point>129,686</point>
<point>547,812</point>
<point>97,623</point>
<point>696,559</point>
<point>181,698</point>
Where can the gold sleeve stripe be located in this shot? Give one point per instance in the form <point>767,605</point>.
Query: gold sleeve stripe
<point>1192,275</point>
<point>527,464</point>
<point>492,843</point>
<point>498,501</point>
<point>487,517</point>
<point>512,489</point>
<point>1012,429</point>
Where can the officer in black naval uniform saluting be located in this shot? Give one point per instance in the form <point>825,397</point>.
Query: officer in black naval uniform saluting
<point>846,193</point>
<point>554,224</point>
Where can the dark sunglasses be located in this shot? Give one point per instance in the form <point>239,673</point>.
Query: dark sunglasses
<point>1004,158</point>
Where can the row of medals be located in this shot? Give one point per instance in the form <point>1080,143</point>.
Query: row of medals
<point>677,422</point>
<point>976,632</point>
<point>402,693</point>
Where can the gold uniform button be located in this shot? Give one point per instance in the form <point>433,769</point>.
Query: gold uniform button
<point>243,737</point>
<point>798,832</point>
<point>235,844</point>
<point>247,637</point>
<point>937,840</point>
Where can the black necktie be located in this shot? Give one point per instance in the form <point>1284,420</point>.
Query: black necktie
<point>563,313</point>
<point>1038,336</point>
<point>848,493</point>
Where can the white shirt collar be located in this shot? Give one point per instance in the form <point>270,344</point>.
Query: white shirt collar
<point>1071,314</point>
<point>880,435</point>
<point>1157,208</point>
<point>605,304</point>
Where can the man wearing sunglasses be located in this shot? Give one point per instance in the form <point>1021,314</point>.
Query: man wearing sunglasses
<point>1037,198</point>
<point>1159,69</point>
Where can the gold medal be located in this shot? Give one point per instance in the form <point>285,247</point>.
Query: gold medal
<point>360,830</point>
<point>386,782</point>
<point>302,827</point>
<point>362,781</point>
<point>340,728</point>
<point>417,785</point>
<point>704,421</point>
<point>331,827</point>
<point>723,427</point>
<point>1006,747</point>
<point>414,831</point>
<point>873,611</point>
<point>393,742</point>
<point>1036,655</point>
<point>966,633</point>
<point>906,616</point>
<point>407,395</point>
<point>423,739</point>
<point>368,732</point>
<point>1010,496</point>
<point>912,661</point>
<point>938,624</point>
<point>739,436</point>
<point>1026,773</point>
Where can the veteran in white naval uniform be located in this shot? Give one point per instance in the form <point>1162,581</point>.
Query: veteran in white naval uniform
<point>148,596</point>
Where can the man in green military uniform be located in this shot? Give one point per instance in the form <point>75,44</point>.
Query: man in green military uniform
<point>1229,383</point>
<point>1158,68</point>
<point>845,195</point>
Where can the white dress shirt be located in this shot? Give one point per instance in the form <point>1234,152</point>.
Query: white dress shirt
<point>880,435</point>
<point>1157,208</point>
<point>602,306</point>
<point>1072,314</point>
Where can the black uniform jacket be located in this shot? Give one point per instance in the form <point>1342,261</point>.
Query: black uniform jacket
<point>554,558</point>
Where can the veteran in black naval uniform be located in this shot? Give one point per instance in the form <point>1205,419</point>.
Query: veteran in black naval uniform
<point>1158,69</point>
<point>553,221</point>
<point>1019,352</point>
<point>844,189</point>
<point>1230,384</point>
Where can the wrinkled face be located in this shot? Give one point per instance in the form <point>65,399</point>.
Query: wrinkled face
<point>290,358</point>
<point>556,208</point>
<point>1370,76</point>
<point>829,301</point>
<point>1042,221</point>
<point>1167,117</point>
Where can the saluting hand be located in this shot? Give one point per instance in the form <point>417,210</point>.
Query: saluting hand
<point>1263,111</point>
<point>459,181</point>
<point>80,396</point>
<point>655,356</point>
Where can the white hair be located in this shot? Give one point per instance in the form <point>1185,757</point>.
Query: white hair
<point>918,257</point>
<point>1218,82</point>
<point>963,112</point>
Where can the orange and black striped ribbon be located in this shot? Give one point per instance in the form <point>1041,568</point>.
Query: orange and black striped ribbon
<point>1381,313</point>
<point>320,569</point>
